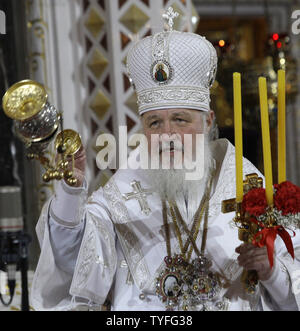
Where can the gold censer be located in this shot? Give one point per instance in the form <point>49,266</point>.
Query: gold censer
<point>37,123</point>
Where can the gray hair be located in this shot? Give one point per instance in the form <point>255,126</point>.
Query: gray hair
<point>213,133</point>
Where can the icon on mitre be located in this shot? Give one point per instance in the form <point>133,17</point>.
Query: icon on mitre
<point>160,75</point>
<point>161,72</point>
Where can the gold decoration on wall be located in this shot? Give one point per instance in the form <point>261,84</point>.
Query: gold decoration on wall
<point>97,64</point>
<point>104,178</point>
<point>94,23</point>
<point>131,103</point>
<point>100,105</point>
<point>134,19</point>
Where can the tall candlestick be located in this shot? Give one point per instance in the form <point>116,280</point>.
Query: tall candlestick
<point>238,135</point>
<point>281,136</point>
<point>264,113</point>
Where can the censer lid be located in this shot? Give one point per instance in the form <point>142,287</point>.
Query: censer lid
<point>24,99</point>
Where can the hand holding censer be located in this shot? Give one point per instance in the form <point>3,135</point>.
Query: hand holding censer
<point>37,123</point>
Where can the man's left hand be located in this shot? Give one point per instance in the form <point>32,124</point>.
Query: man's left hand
<point>255,258</point>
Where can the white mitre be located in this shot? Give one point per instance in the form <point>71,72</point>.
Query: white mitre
<point>172,69</point>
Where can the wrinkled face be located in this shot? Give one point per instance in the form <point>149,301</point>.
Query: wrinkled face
<point>167,125</point>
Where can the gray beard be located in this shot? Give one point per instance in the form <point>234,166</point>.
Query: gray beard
<point>171,184</point>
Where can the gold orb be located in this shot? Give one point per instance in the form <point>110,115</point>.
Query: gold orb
<point>59,175</point>
<point>72,181</point>
<point>65,165</point>
<point>46,177</point>
<point>68,174</point>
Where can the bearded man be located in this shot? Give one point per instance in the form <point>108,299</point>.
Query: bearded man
<point>153,239</point>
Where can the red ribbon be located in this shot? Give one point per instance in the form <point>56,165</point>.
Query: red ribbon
<point>268,236</point>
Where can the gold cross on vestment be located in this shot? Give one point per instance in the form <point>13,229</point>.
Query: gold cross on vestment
<point>169,16</point>
<point>139,194</point>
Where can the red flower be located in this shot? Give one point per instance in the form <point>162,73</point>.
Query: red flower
<point>287,198</point>
<point>255,202</point>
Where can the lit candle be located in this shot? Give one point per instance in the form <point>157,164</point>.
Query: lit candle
<point>238,135</point>
<point>264,114</point>
<point>281,128</point>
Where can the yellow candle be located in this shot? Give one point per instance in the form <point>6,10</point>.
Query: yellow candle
<point>264,114</point>
<point>238,135</point>
<point>281,128</point>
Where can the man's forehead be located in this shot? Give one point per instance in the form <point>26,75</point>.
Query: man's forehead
<point>167,112</point>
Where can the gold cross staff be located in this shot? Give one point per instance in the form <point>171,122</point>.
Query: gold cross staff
<point>251,181</point>
<point>139,194</point>
<point>246,228</point>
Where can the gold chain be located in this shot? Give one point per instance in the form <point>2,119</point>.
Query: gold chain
<point>177,229</point>
<point>167,229</point>
<point>196,232</point>
<point>193,234</point>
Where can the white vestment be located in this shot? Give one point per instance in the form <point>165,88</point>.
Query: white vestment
<point>122,250</point>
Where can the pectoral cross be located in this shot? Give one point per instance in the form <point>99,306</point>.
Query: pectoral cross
<point>251,181</point>
<point>169,17</point>
<point>139,194</point>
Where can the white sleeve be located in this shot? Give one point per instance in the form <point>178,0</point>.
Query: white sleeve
<point>78,258</point>
<point>65,242</point>
<point>279,288</point>
<point>66,226</point>
<point>68,204</point>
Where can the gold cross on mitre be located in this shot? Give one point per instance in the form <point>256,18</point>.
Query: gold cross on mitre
<point>169,16</point>
<point>139,194</point>
<point>251,181</point>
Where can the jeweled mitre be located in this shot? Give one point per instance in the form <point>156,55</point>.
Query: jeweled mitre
<point>172,69</point>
